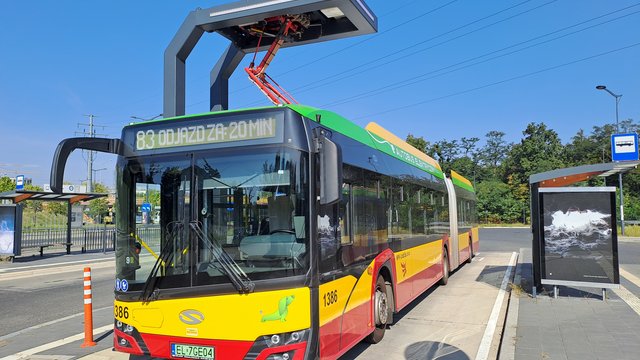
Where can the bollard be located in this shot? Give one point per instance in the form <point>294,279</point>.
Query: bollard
<point>88,310</point>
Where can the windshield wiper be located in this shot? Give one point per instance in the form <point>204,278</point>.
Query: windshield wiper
<point>227,265</point>
<point>166,255</point>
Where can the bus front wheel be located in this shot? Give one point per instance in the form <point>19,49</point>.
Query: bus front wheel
<point>380,311</point>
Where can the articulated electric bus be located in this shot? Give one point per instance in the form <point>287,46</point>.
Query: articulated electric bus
<point>283,232</point>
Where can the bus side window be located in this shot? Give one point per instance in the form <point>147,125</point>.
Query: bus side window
<point>328,224</point>
<point>344,214</point>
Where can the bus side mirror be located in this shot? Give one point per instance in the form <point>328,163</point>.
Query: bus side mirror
<point>66,146</point>
<point>330,169</point>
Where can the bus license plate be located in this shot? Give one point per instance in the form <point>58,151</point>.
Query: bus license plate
<point>193,351</point>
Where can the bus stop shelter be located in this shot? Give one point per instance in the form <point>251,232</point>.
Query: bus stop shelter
<point>18,196</point>
<point>561,178</point>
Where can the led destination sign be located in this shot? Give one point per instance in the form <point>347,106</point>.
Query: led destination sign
<point>208,132</point>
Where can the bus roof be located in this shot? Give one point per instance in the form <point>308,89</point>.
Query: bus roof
<point>373,135</point>
<point>461,181</point>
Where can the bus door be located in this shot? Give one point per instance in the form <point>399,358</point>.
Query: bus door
<point>453,225</point>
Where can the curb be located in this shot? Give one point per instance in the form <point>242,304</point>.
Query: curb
<point>508,340</point>
<point>628,239</point>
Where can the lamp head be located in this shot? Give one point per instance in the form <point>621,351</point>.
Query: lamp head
<point>601,87</point>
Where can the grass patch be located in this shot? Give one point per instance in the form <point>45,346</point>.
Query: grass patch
<point>516,289</point>
<point>503,225</point>
<point>630,230</point>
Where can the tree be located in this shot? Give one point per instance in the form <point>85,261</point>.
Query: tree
<point>57,207</point>
<point>465,167</point>
<point>99,208</point>
<point>493,153</point>
<point>540,150</point>
<point>418,143</point>
<point>469,145</point>
<point>445,152</point>
<point>6,184</point>
<point>583,150</point>
<point>496,202</point>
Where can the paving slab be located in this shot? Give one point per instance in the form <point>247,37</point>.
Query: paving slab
<point>448,321</point>
<point>578,324</point>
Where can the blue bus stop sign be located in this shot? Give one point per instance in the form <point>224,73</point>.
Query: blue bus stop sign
<point>20,182</point>
<point>624,147</point>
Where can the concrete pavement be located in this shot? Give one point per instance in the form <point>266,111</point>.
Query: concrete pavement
<point>449,320</point>
<point>439,324</point>
<point>576,325</point>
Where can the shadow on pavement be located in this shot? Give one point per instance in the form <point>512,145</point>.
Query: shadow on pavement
<point>526,284</point>
<point>492,275</point>
<point>425,350</point>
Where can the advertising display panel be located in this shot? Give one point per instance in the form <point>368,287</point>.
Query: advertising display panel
<point>10,226</point>
<point>579,239</point>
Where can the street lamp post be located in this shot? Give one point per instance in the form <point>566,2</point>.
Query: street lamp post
<point>617,97</point>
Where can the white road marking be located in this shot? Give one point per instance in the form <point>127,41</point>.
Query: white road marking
<point>14,275</point>
<point>54,344</point>
<point>487,338</point>
<point>55,264</point>
<point>629,276</point>
<point>630,298</point>
<point>480,259</point>
<point>20,332</point>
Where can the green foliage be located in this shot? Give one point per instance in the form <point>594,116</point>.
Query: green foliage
<point>56,207</point>
<point>540,150</point>
<point>418,143</point>
<point>493,153</point>
<point>6,184</point>
<point>99,208</point>
<point>496,203</point>
<point>501,170</point>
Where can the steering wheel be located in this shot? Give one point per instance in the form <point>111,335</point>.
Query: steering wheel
<point>282,231</point>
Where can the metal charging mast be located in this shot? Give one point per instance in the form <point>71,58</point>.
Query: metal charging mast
<point>245,24</point>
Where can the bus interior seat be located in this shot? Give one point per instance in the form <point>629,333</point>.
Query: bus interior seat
<point>280,210</point>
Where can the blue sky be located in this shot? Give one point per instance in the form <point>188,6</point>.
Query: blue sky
<point>447,69</point>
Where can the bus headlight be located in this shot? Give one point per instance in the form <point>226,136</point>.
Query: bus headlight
<point>281,346</point>
<point>125,328</point>
<point>286,338</point>
<point>274,340</point>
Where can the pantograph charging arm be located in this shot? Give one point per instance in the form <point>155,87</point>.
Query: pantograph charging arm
<point>258,75</point>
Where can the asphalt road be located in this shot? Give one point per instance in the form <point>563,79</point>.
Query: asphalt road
<point>39,292</point>
<point>42,294</point>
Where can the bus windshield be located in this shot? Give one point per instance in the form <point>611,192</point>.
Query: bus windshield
<point>202,218</point>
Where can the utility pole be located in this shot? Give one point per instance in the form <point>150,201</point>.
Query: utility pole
<point>90,157</point>
<point>90,132</point>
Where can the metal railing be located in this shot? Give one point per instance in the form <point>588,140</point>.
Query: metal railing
<point>86,238</point>
<point>98,238</point>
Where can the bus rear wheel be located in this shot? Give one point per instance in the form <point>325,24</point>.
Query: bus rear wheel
<point>380,311</point>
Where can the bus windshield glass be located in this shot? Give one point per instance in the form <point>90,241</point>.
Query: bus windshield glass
<point>203,218</point>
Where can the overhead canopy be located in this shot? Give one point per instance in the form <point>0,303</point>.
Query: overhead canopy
<point>250,25</point>
<point>572,175</point>
<point>17,196</point>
